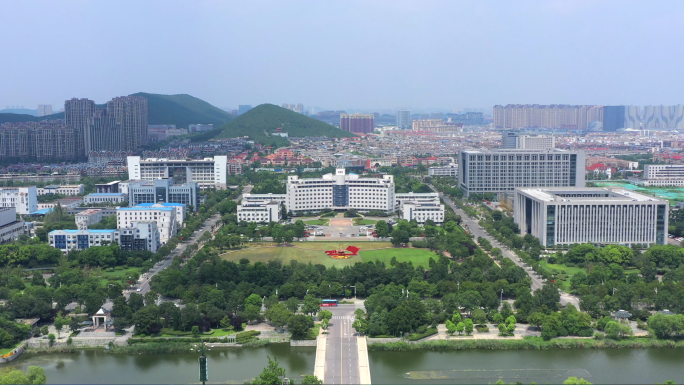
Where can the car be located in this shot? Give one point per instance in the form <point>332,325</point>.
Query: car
<point>139,289</point>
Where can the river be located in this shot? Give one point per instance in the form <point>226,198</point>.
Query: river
<point>235,365</point>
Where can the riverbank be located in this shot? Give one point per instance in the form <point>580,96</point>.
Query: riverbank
<point>529,343</point>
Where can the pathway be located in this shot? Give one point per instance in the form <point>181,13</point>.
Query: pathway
<point>345,357</point>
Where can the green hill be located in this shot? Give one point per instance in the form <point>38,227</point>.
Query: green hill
<point>182,110</point>
<point>259,122</point>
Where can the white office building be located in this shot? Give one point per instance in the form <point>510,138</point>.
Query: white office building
<point>207,172</point>
<point>88,217</point>
<point>200,127</point>
<point>661,175</point>
<point>181,210</point>
<point>259,211</point>
<point>164,216</point>
<point>565,216</point>
<point>105,198</point>
<point>513,140</point>
<point>500,171</point>
<point>23,199</point>
<point>420,206</point>
<point>448,170</point>
<point>253,198</point>
<point>142,235</point>
<point>75,189</point>
<point>10,227</point>
<point>340,192</point>
<point>164,191</point>
<point>67,240</point>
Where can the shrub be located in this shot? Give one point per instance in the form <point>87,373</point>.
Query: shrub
<point>420,244</point>
<point>482,328</point>
<point>599,336</point>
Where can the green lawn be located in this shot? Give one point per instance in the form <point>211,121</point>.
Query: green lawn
<point>317,222</point>
<point>7,350</point>
<point>360,222</point>
<point>305,252</point>
<point>563,277</point>
<point>117,275</point>
<point>415,256</point>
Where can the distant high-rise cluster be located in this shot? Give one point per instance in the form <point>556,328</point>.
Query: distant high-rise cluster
<point>434,125</point>
<point>121,126</point>
<point>404,119</point>
<point>648,117</point>
<point>357,123</point>
<point>517,116</point>
<point>43,141</point>
<point>44,109</point>
<point>299,107</point>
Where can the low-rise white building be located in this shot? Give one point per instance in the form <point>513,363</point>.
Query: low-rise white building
<point>23,199</point>
<point>67,240</point>
<point>661,175</point>
<point>181,210</point>
<point>105,198</point>
<point>264,211</point>
<point>164,216</point>
<point>143,235</point>
<point>420,206</point>
<point>448,170</point>
<point>75,189</point>
<point>88,217</point>
<point>10,227</point>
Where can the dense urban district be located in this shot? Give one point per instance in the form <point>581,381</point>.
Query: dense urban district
<point>129,227</point>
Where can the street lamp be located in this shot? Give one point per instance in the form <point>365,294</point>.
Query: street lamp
<point>203,367</point>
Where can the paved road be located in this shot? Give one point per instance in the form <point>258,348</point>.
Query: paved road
<point>144,283</point>
<point>478,231</point>
<point>342,354</point>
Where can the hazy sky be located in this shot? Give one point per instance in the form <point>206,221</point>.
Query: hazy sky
<point>344,54</point>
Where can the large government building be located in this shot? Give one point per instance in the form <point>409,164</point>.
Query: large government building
<point>565,216</point>
<point>502,170</point>
<point>340,191</point>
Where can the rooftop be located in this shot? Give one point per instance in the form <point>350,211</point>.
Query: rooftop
<point>163,204</point>
<point>105,194</point>
<point>145,208</point>
<point>561,193</point>
<point>68,231</point>
<point>89,212</point>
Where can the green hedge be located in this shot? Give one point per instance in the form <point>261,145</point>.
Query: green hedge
<point>181,340</point>
<point>418,336</point>
<point>247,336</point>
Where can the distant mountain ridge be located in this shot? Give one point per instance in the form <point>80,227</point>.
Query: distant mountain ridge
<point>181,110</point>
<point>20,111</point>
<point>261,122</point>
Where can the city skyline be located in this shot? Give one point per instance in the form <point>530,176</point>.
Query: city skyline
<point>578,64</point>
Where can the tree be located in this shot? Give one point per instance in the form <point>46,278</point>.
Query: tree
<point>576,381</point>
<point>51,339</point>
<point>299,325</point>
<point>271,375</point>
<point>311,305</point>
<point>360,325</point>
<point>225,323</point>
<point>468,326</point>
<point>34,375</point>
<point>253,300</point>
<point>44,330</point>
<point>325,324</point>
<point>616,331</point>
<point>325,314</point>
<point>460,327</point>
<point>292,304</point>
<point>278,315</point>
<point>479,316</point>
<point>451,327</point>
<point>195,331</point>
<point>310,379</point>
<point>382,228</point>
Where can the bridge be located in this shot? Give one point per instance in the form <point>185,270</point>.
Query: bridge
<point>342,355</point>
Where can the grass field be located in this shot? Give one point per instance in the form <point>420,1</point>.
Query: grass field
<point>317,222</point>
<point>359,222</point>
<point>564,278</point>
<point>117,275</point>
<point>313,252</point>
<point>7,350</point>
<point>415,256</point>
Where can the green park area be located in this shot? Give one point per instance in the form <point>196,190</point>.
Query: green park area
<point>361,222</point>
<point>120,276</point>
<point>317,222</point>
<point>313,252</point>
<point>562,273</point>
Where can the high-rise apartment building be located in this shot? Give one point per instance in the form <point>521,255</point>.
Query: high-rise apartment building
<point>512,139</point>
<point>517,116</point>
<point>243,108</point>
<point>299,107</point>
<point>566,216</point>
<point>647,117</point>
<point>357,123</point>
<point>613,118</point>
<point>121,126</point>
<point>44,109</point>
<point>40,141</point>
<point>500,171</point>
<point>404,119</point>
